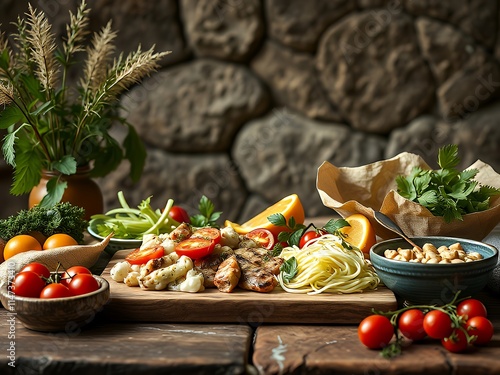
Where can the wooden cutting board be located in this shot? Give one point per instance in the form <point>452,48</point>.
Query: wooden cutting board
<point>240,306</point>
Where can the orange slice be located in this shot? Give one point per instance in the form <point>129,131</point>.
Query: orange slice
<point>361,233</point>
<point>288,206</point>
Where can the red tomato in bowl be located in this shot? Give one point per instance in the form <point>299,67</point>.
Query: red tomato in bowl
<point>179,214</point>
<point>73,271</point>
<point>83,284</point>
<point>38,268</point>
<point>55,290</point>
<point>27,284</point>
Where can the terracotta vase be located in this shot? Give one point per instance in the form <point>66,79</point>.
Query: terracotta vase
<point>81,191</point>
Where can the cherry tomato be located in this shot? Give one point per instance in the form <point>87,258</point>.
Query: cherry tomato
<point>27,284</point>
<point>308,236</point>
<point>59,240</point>
<point>212,234</point>
<point>456,342</point>
<point>411,324</point>
<point>55,290</point>
<point>480,327</point>
<point>195,248</point>
<point>38,268</point>
<point>375,331</point>
<point>142,256</point>
<point>437,324</point>
<point>470,308</point>
<point>179,214</point>
<point>71,272</point>
<point>82,284</point>
<point>20,244</point>
<point>263,237</point>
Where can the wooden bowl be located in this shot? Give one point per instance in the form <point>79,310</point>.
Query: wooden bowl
<point>56,314</point>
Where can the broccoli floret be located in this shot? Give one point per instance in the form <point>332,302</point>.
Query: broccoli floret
<point>61,218</point>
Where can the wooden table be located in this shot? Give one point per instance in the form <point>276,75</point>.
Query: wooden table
<point>109,346</point>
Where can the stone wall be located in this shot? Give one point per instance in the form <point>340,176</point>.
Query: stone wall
<point>258,93</point>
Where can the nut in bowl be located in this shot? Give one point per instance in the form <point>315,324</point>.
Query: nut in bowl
<point>428,283</point>
<point>56,314</point>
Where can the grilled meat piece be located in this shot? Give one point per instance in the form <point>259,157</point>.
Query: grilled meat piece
<point>227,275</point>
<point>258,269</point>
<point>183,231</point>
<point>208,265</point>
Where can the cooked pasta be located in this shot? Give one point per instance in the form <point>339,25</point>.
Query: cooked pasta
<point>324,265</point>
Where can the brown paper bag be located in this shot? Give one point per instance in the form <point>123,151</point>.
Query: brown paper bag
<point>373,187</point>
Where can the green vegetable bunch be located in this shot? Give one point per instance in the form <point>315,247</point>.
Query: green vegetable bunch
<point>61,218</point>
<point>57,127</point>
<point>446,192</point>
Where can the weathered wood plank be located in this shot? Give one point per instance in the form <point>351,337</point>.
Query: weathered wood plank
<point>104,347</point>
<point>241,306</point>
<point>336,349</point>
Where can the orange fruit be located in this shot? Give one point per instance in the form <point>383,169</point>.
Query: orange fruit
<point>361,233</point>
<point>59,240</point>
<point>290,206</point>
<point>20,244</point>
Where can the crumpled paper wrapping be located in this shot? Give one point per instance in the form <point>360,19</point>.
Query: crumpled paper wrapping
<point>373,187</point>
<point>68,256</point>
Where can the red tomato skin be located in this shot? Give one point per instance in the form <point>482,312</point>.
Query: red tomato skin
<point>262,237</point>
<point>38,268</point>
<point>142,256</point>
<point>480,327</point>
<point>212,234</point>
<point>375,331</point>
<point>72,271</point>
<point>308,236</point>
<point>179,214</point>
<point>195,248</point>
<point>55,290</point>
<point>27,284</point>
<point>83,284</point>
<point>437,324</point>
<point>470,308</point>
<point>456,342</point>
<point>411,324</point>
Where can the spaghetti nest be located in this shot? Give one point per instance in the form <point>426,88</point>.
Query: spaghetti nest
<point>324,265</point>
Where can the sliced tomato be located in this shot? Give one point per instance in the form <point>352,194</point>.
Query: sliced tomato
<point>212,234</point>
<point>139,256</point>
<point>263,237</point>
<point>195,247</point>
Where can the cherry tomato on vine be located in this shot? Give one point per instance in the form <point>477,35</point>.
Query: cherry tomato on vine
<point>55,290</point>
<point>480,327</point>
<point>142,256</point>
<point>212,234</point>
<point>71,272</point>
<point>470,308</point>
<point>375,331</point>
<point>82,284</point>
<point>262,237</point>
<point>411,324</point>
<point>195,248</point>
<point>179,214</point>
<point>27,284</point>
<point>437,324</point>
<point>38,268</point>
<point>308,236</point>
<point>456,342</point>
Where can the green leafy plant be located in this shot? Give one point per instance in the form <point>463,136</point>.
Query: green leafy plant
<point>446,192</point>
<point>57,127</point>
<point>208,216</point>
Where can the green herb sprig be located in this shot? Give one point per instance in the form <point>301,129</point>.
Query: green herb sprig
<point>446,192</point>
<point>208,216</point>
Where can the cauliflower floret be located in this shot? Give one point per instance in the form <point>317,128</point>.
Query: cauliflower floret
<point>191,283</point>
<point>150,241</point>
<point>132,279</point>
<point>159,279</point>
<point>229,237</point>
<point>168,245</point>
<point>135,267</point>
<point>120,271</point>
<point>156,264</point>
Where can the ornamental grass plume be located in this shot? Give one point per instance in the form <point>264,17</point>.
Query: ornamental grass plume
<point>57,127</point>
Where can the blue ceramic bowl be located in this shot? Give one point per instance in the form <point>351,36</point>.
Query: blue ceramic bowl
<point>429,284</point>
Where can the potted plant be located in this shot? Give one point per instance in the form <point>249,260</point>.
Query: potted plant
<point>57,127</point>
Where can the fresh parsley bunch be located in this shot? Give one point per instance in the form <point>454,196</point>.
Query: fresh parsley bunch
<point>446,192</point>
